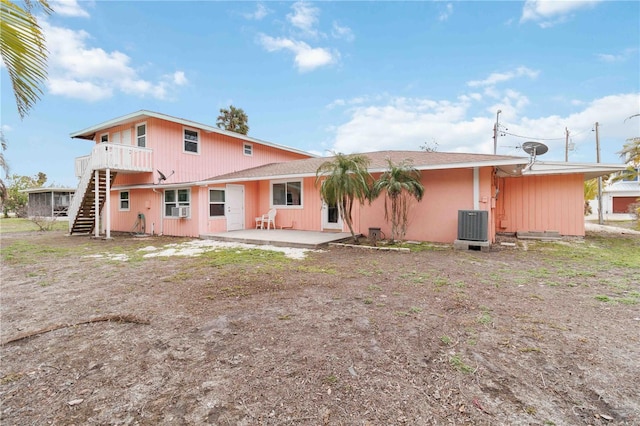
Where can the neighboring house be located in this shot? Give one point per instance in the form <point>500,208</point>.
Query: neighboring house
<point>220,181</point>
<point>48,202</point>
<point>617,198</point>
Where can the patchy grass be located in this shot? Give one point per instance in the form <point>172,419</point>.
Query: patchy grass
<point>456,362</point>
<point>223,257</point>
<point>24,252</point>
<point>15,224</point>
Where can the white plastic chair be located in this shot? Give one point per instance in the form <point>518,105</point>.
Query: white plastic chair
<point>269,219</point>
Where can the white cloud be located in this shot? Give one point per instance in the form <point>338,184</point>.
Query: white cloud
<point>407,123</point>
<point>77,70</point>
<point>84,90</point>
<point>341,32</point>
<point>68,8</point>
<point>304,17</point>
<point>306,58</point>
<point>6,128</point>
<point>179,78</point>
<point>445,14</point>
<point>619,57</point>
<point>260,13</point>
<point>550,12</point>
<point>495,78</point>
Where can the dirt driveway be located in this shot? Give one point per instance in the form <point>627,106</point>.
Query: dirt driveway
<point>540,334</point>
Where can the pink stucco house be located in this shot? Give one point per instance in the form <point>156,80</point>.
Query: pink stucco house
<point>190,179</point>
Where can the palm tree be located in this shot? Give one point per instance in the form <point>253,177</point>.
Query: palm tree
<point>631,154</point>
<point>343,180</point>
<point>234,120</point>
<point>23,51</point>
<point>399,183</point>
<point>590,192</point>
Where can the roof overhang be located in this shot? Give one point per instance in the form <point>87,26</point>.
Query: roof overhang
<point>90,132</point>
<point>46,189</point>
<point>589,170</point>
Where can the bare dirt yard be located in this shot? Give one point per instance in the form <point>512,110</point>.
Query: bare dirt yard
<point>132,331</point>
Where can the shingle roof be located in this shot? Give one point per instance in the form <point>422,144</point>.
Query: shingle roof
<point>421,160</point>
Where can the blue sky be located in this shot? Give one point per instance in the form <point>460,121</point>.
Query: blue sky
<point>343,76</point>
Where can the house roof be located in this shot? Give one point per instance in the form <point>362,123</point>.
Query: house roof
<point>90,132</point>
<point>506,166</point>
<point>47,189</point>
<point>421,160</point>
<point>633,188</point>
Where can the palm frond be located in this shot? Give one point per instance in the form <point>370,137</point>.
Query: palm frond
<point>23,51</point>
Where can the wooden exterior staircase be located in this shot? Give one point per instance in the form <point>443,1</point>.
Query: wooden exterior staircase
<point>104,163</point>
<point>85,219</point>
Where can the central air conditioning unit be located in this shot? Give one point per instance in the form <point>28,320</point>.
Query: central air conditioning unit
<point>473,225</point>
<point>180,211</point>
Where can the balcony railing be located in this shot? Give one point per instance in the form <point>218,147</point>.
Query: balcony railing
<point>118,157</point>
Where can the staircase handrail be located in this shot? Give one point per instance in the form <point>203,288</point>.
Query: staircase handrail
<point>78,196</point>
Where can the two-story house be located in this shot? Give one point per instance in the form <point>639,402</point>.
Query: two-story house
<point>151,164</point>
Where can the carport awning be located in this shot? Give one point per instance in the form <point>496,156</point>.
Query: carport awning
<point>590,170</point>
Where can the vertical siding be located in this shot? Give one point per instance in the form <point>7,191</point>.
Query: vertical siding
<point>143,201</point>
<point>258,202</point>
<point>542,203</point>
<point>435,218</point>
<point>219,154</point>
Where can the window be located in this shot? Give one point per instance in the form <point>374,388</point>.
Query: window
<point>216,202</point>
<point>248,149</point>
<point>191,138</point>
<point>104,138</point>
<point>124,201</point>
<point>176,198</point>
<point>141,135</point>
<point>286,193</point>
<point>632,178</point>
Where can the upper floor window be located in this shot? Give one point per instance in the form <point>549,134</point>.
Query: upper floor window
<point>286,193</point>
<point>104,138</point>
<point>124,201</point>
<point>174,199</point>
<point>191,141</point>
<point>141,135</point>
<point>216,202</point>
<point>248,149</point>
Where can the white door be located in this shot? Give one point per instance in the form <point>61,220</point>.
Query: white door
<point>234,199</point>
<point>331,218</point>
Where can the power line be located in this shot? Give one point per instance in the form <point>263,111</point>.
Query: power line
<point>532,137</point>
<point>504,131</point>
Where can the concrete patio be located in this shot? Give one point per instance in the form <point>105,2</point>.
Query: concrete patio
<point>279,237</point>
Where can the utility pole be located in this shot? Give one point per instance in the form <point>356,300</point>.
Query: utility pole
<point>600,218</point>
<point>566,145</point>
<point>495,133</point>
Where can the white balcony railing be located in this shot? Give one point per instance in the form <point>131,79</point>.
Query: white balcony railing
<point>117,157</point>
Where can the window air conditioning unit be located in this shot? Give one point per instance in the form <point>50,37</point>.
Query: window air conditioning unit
<point>473,225</point>
<point>180,211</point>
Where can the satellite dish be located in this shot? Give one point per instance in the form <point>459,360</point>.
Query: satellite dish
<point>163,177</point>
<point>534,148</point>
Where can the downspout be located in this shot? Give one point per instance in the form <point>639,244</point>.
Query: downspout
<point>476,188</point>
<point>161,221</point>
